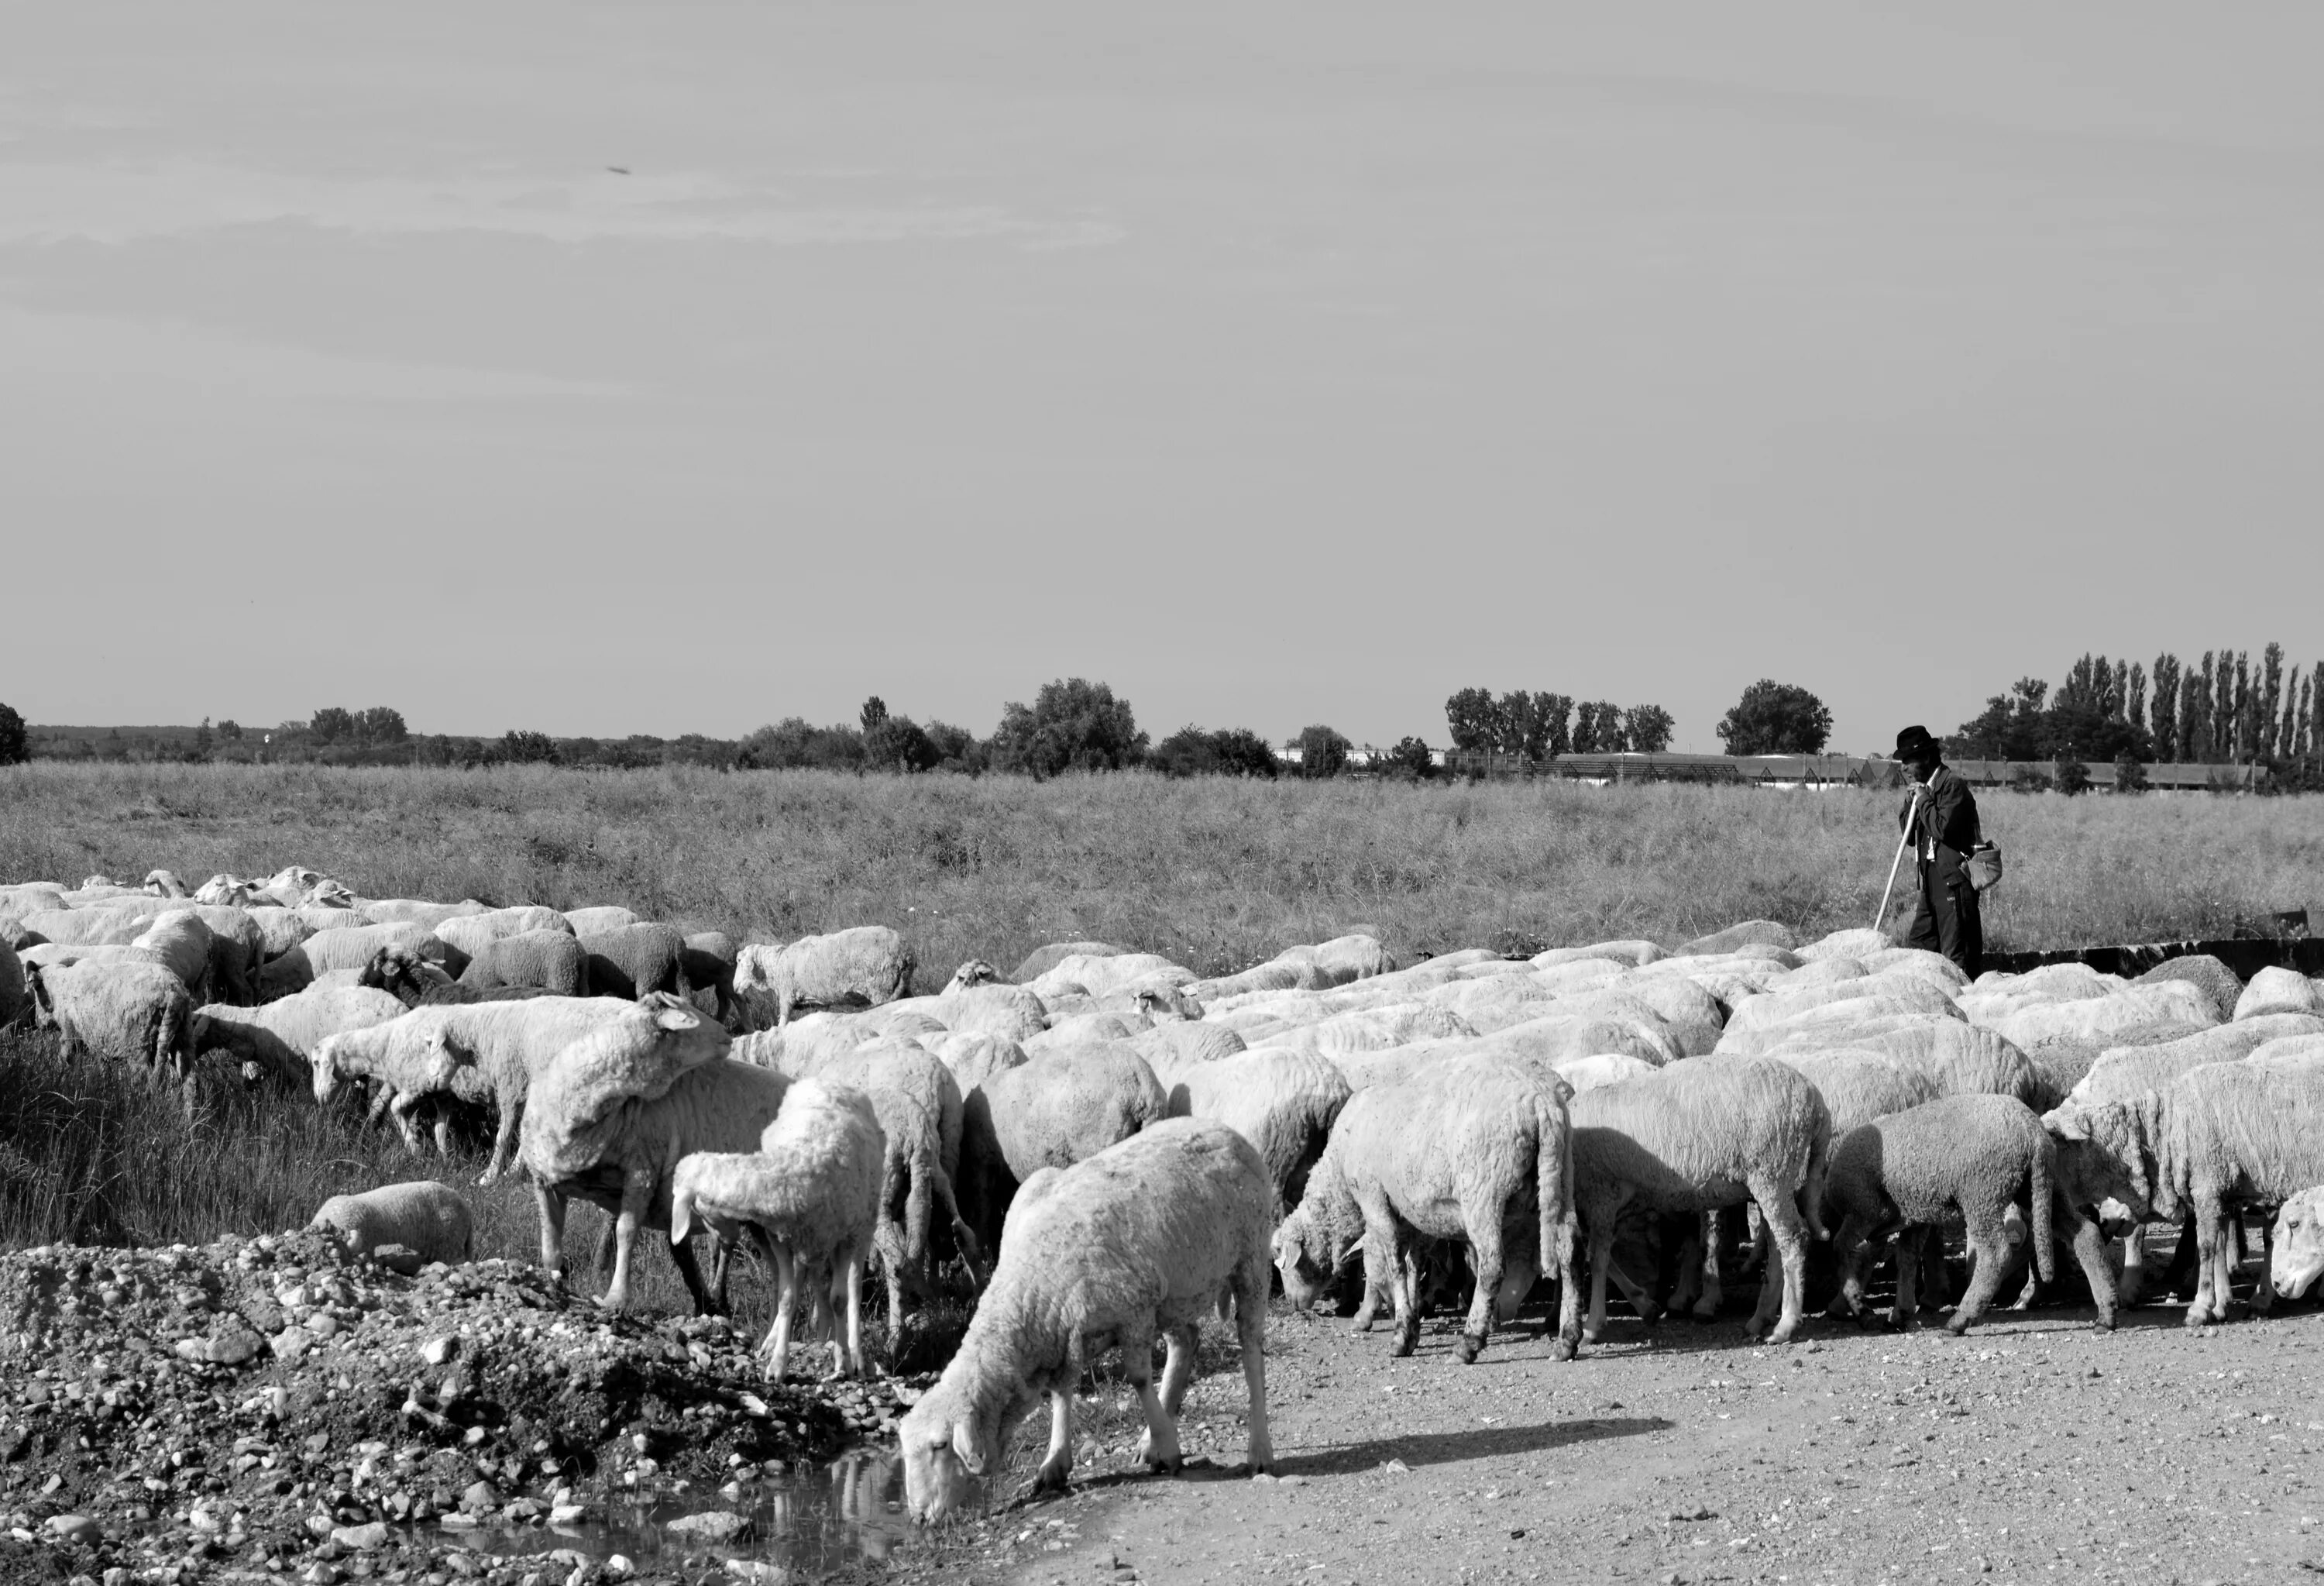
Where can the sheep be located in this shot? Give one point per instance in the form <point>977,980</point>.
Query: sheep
<point>600,919</point>
<point>419,910</point>
<point>1369,1029</point>
<point>1858,1087</point>
<point>331,916</point>
<point>341,947</point>
<point>496,1051</point>
<point>131,1009</point>
<point>973,1059</point>
<point>227,888</point>
<point>1139,1240</point>
<point>1970,1157</point>
<point>181,943</point>
<point>2277,990</point>
<point>412,979</point>
<point>865,965</point>
<point>1283,1102</point>
<point>1040,961</point>
<point>282,1036</point>
<point>1079,1029</point>
<point>422,1216</point>
<point>1587,1073</point>
<point>2099,1017</point>
<point>165,883</point>
<point>811,1191</point>
<point>1850,944</point>
<point>2120,1072</point>
<point>981,1007</point>
<point>469,932</point>
<point>1177,1044</point>
<point>85,927</point>
<point>2297,1260</point>
<point>2216,982</point>
<point>1474,1148</point>
<point>614,1112</point>
<point>630,960</point>
<point>552,960</point>
<point>1102,976</point>
<point>279,929</point>
<point>1696,1137</point>
<point>1633,955</point>
<point>2233,1132</point>
<point>708,959</point>
<point>1962,1059</point>
<point>1058,1108</point>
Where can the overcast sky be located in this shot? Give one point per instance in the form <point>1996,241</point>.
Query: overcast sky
<point>1275,363</point>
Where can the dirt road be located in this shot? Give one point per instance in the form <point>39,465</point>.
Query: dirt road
<point>2036,1448</point>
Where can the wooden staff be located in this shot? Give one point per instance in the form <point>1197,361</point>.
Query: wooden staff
<point>1896,864</point>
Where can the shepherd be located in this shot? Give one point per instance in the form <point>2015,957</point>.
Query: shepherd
<point>1941,819</point>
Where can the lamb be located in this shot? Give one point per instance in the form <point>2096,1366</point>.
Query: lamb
<point>1473,1148</point>
<point>1970,1157</point>
<point>1696,1137</point>
<point>866,965</point>
<point>552,960</point>
<point>2298,1258</point>
<point>1141,1238</point>
<point>601,919</point>
<point>614,1112</point>
<point>2231,1133</point>
<point>811,1191</point>
<point>469,932</point>
<point>1283,1102</point>
<point>130,1010</point>
<point>423,1216</point>
<point>280,1037</point>
<point>1058,1108</point>
<point>631,959</point>
<point>708,959</point>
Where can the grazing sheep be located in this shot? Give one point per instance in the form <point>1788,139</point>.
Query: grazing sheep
<point>2101,1016</point>
<point>279,929</point>
<point>341,947</point>
<point>2233,1133</point>
<point>2216,982</point>
<point>1139,1240</point>
<point>1473,1148</point>
<point>612,1115</point>
<point>425,1216</point>
<point>1082,1028</point>
<point>554,961</point>
<point>708,959</point>
<point>992,1008</point>
<point>1633,955</point>
<point>973,1059</point>
<point>862,966</point>
<point>225,888</point>
<point>1102,976</point>
<point>2120,1072</point>
<point>1040,961</point>
<point>165,883</point>
<point>1858,1087</point>
<point>468,934</point>
<point>1963,1059</point>
<point>1969,1157</point>
<point>1179,1043</point>
<point>1850,944</point>
<point>280,1037</point>
<point>2278,990</point>
<point>1369,1029</point>
<point>601,919</point>
<point>811,1191</point>
<point>130,1009</point>
<point>631,959</point>
<point>2297,1260</point>
<point>1283,1102</point>
<point>1697,1137</point>
<point>417,910</point>
<point>1767,933</point>
<point>85,927</point>
<point>1587,1073</point>
<point>181,944</point>
<point>1060,1108</point>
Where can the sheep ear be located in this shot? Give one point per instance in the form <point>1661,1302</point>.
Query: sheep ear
<point>676,1019</point>
<point>963,1446</point>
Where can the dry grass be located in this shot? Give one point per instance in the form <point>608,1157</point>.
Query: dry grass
<point>1216,874</point>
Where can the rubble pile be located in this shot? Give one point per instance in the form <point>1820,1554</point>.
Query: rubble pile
<point>277,1409</point>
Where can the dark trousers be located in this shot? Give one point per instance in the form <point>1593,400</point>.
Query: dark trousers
<point>1947,920</point>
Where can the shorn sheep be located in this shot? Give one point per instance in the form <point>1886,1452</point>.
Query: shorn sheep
<point>554,961</point>
<point>280,1037</point>
<point>1057,1109</point>
<point>129,1009</point>
<point>422,1216</point>
<point>2234,1134</point>
<point>1696,1137</point>
<point>631,959</point>
<point>1965,1157</point>
<point>862,966</point>
<point>810,1193</point>
<point>1142,1239</point>
<point>1471,1149</point>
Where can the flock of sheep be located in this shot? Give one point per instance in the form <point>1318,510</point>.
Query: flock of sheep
<point>1106,1147</point>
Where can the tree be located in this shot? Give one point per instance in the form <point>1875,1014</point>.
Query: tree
<point>2129,774</point>
<point>2072,776</point>
<point>2135,698</point>
<point>330,724</point>
<point>204,739</point>
<point>525,748</point>
<point>875,712</point>
<point>897,743</point>
<point>2195,714</point>
<point>1649,728</point>
<point>2270,698</point>
<point>1073,725</point>
<point>380,726</point>
<point>14,750</point>
<point>1777,718</point>
<point>1243,752</point>
<point>958,748</point>
<point>1322,752</point>
<point>2166,705</point>
<point>229,729</point>
<point>1473,720</point>
<point>1235,751</point>
<point>792,745</point>
<point>1412,755</point>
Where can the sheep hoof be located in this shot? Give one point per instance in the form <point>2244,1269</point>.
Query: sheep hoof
<point>1704,1311</point>
<point>1406,1339</point>
<point>1169,1467</point>
<point>1050,1477</point>
<point>1471,1346</point>
<point>1563,1348</point>
<point>2104,1322</point>
<point>1652,1312</point>
<point>1957,1326</point>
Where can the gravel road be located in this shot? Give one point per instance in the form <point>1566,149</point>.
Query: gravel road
<point>2035,1449</point>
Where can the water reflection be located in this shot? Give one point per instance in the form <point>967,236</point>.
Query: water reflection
<point>812,1522</point>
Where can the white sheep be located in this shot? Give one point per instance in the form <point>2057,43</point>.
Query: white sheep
<point>1858,1087</point>
<point>1696,1137</point>
<point>1139,1240</point>
<point>1180,1043</point>
<point>973,1059</point>
<point>183,945</point>
<point>1283,1102</point>
<point>423,1216</point>
<point>418,911</point>
<point>2278,990</point>
<point>469,932</point>
<point>1103,975</point>
<point>1060,1108</point>
<point>2232,1133</point>
<point>1603,1068</point>
<point>85,927</point>
<point>866,965</point>
<point>633,959</point>
<point>1473,1148</point>
<point>129,1009</point>
<point>2297,1260</point>
<point>811,1191</point>
<point>340,947</point>
<point>554,961</point>
<point>598,920</point>
<point>280,1037</point>
<point>279,929</point>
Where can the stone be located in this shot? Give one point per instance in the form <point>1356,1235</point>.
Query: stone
<point>756,1572</point>
<point>292,1342</point>
<point>479,1497</point>
<point>712,1525</point>
<point>78,1529</point>
<point>368,1539</point>
<point>437,1351</point>
<point>401,1260</point>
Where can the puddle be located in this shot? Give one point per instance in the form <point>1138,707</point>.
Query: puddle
<point>851,1508</point>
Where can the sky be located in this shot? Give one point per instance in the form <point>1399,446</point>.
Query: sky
<point>667,368</point>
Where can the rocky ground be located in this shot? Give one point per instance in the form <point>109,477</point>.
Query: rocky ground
<point>2035,1449</point>
<point>274,1409</point>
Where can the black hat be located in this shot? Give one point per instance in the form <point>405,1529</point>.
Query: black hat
<point>1914,742</point>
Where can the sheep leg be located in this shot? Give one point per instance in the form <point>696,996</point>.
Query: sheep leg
<point>2210,1301</point>
<point>706,1303</point>
<point>1250,1336</point>
<point>2262,1292</point>
<point>1601,1262</point>
<point>382,1093</point>
<point>637,1189</point>
<point>1051,1477</point>
<point>1988,1257</point>
<point>1706,1307</point>
<point>2133,1285</point>
<point>1783,1292</point>
<point>1853,1244</point>
<point>1485,1250</point>
<point>1636,1297</point>
<point>775,1350</point>
<point>503,1143</point>
<point>551,1205</point>
<point>1908,1275</point>
<point>1157,1446</point>
<point>2089,1249</point>
<point>1518,1275</point>
<point>400,1110</point>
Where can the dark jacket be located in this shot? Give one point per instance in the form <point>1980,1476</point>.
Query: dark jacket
<point>1946,826</point>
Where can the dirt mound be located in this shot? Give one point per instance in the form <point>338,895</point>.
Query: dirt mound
<point>211,1410</point>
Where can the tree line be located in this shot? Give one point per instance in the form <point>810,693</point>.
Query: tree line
<point>1544,725</point>
<point>2221,710</point>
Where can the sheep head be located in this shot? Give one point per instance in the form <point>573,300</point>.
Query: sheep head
<point>165,883</point>
<point>37,993</point>
<point>974,972</point>
<point>1304,1257</point>
<point>328,1072</point>
<point>945,1445</point>
<point>2298,1258</point>
<point>330,894</point>
<point>89,881</point>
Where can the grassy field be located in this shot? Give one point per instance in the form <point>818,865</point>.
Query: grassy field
<point>1216,874</point>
